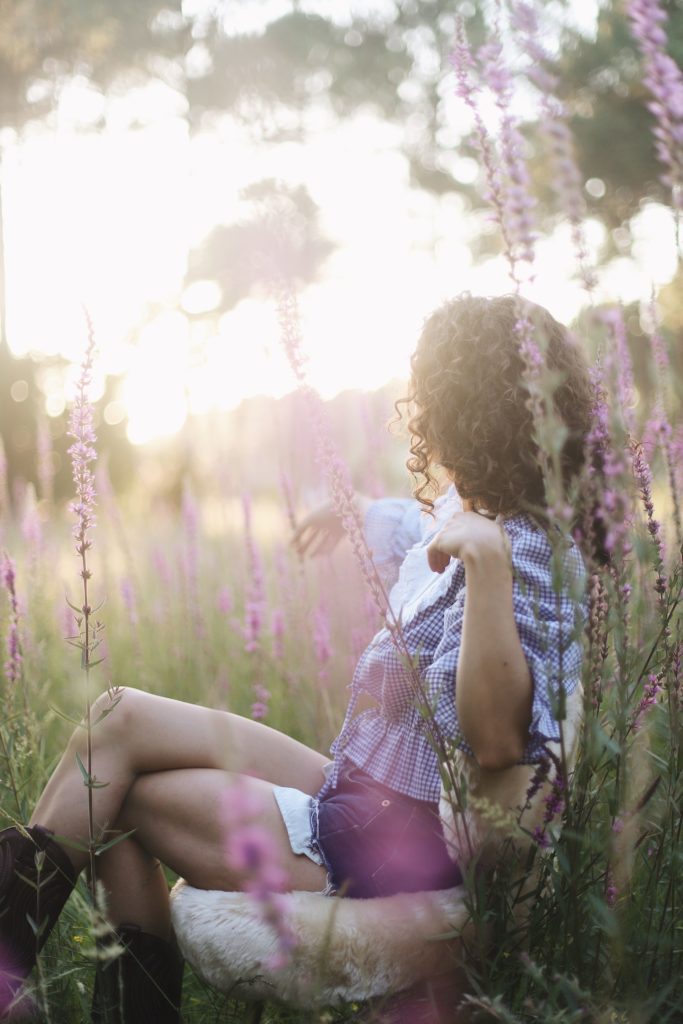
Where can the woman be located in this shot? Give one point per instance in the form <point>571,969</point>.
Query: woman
<point>490,641</point>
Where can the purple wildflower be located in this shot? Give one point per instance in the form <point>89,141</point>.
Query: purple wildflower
<point>537,780</point>
<point>464,65</point>
<point>650,691</point>
<point>46,465</point>
<point>225,601</point>
<point>252,854</point>
<point>322,644</point>
<point>541,837</point>
<point>277,632</point>
<point>82,451</point>
<point>256,588</point>
<point>517,199</point>
<point>597,632</point>
<point>613,318</point>
<point>161,567</point>
<point>611,890</point>
<point>658,426</point>
<point>606,467</point>
<point>14,655</point>
<point>664,80</point>
<point>334,468</point>
<point>31,525</point>
<point>643,475</point>
<point>565,176</point>
<point>555,801</point>
<point>260,707</point>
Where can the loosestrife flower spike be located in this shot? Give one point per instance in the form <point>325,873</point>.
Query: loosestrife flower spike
<point>664,80</point>
<point>252,854</point>
<point>566,179</point>
<point>643,475</point>
<point>14,654</point>
<point>650,691</point>
<point>83,453</point>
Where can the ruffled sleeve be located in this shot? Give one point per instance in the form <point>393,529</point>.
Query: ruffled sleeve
<point>550,621</point>
<point>392,526</point>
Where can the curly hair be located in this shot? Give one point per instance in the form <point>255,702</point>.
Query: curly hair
<point>469,408</point>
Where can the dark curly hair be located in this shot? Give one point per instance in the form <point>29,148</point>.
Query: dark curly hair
<point>469,408</point>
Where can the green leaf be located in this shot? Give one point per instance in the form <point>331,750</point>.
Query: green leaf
<point>114,841</point>
<point>107,711</point>
<point>67,718</point>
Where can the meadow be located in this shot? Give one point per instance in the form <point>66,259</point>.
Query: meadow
<point>200,595</point>
<point>206,600</point>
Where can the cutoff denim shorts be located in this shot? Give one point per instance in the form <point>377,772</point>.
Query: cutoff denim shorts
<point>372,840</point>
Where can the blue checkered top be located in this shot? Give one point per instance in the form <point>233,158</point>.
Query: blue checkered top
<point>394,741</point>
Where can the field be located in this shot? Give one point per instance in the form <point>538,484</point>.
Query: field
<point>207,601</point>
<point>170,566</point>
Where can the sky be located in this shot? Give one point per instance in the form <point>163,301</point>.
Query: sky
<point>106,220</point>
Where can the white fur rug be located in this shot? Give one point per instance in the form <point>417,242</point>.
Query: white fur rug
<point>347,950</point>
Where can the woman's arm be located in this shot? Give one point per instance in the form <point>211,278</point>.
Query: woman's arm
<point>493,681</point>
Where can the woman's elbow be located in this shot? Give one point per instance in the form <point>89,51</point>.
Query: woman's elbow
<point>495,755</point>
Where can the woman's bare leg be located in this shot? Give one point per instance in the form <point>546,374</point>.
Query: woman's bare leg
<point>179,817</point>
<point>146,733</point>
<point>137,892</point>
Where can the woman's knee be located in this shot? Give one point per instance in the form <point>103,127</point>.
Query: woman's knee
<point>115,716</point>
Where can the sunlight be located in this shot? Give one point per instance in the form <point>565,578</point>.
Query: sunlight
<point>111,224</point>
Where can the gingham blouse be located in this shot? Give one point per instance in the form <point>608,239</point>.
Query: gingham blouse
<point>392,741</point>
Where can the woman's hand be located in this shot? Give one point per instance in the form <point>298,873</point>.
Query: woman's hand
<point>320,531</point>
<point>468,536</point>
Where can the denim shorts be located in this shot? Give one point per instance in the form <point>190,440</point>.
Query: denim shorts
<point>372,840</point>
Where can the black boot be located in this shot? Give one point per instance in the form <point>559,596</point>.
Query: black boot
<point>141,986</point>
<point>36,878</point>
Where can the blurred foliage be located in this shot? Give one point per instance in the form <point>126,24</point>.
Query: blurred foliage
<point>23,418</point>
<point>601,80</point>
<point>279,233</point>
<point>45,43</point>
<point>391,58</point>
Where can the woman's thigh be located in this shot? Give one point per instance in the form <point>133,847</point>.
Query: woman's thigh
<point>162,734</point>
<point>185,817</point>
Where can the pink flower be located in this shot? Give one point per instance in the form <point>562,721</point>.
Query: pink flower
<point>565,176</point>
<point>259,709</point>
<point>255,604</point>
<point>277,632</point>
<point>225,600</point>
<point>321,637</point>
<point>611,891</point>
<point>252,853</point>
<point>664,79</point>
<point>641,471</point>
<point>83,453</point>
<point>14,654</point>
<point>650,691</point>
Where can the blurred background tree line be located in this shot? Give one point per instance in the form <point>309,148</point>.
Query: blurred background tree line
<point>389,58</point>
